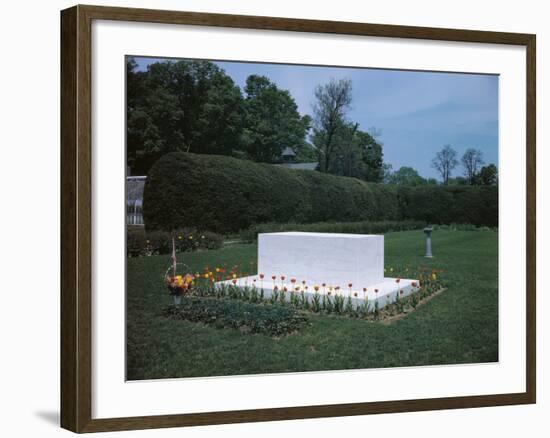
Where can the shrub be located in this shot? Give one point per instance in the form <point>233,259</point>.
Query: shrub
<point>145,243</point>
<point>247,317</point>
<point>333,227</point>
<point>189,239</point>
<point>226,195</point>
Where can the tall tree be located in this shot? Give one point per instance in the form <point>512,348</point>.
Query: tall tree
<point>356,154</point>
<point>330,109</point>
<point>471,160</point>
<point>180,106</point>
<point>271,121</point>
<point>444,162</point>
<point>372,156</point>
<point>347,152</point>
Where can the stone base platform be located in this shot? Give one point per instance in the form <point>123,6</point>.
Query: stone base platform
<point>384,292</point>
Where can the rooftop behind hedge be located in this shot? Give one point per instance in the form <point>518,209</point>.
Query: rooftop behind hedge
<point>225,194</point>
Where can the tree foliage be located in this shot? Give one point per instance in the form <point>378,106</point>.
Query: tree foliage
<point>180,106</point>
<point>406,176</point>
<point>271,121</point>
<point>487,176</point>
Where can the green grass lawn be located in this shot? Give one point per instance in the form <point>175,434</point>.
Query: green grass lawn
<point>458,326</point>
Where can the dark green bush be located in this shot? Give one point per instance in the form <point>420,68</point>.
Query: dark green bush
<point>226,195</point>
<point>333,227</point>
<point>145,243</point>
<point>250,318</point>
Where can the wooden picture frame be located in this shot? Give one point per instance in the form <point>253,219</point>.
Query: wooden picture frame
<point>76,218</point>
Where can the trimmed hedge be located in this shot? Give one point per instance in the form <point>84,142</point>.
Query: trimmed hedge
<point>225,195</point>
<point>477,205</point>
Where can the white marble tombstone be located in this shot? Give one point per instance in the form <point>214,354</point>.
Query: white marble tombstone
<point>335,259</point>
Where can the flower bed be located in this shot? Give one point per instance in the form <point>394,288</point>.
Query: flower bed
<point>326,299</point>
<point>249,318</point>
<point>140,243</point>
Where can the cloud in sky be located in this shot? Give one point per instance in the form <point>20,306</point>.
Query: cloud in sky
<point>416,112</point>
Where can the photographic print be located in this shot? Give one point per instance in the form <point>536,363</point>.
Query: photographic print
<point>297,218</point>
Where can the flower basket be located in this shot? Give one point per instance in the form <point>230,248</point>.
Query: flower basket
<point>178,285</point>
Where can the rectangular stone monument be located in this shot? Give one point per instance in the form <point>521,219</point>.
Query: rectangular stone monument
<point>333,259</point>
<point>325,263</point>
